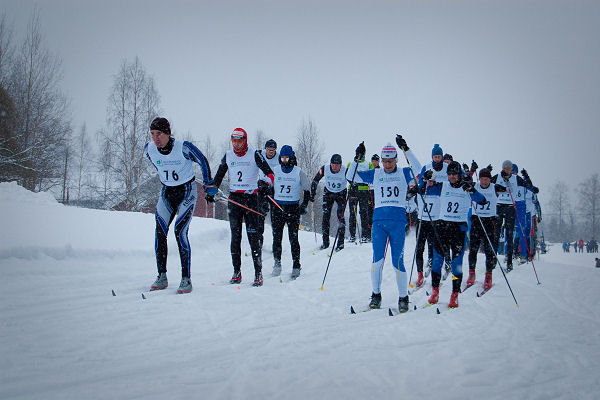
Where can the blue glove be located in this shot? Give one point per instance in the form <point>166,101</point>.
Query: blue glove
<point>211,191</point>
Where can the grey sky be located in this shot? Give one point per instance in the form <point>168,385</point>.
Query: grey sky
<point>488,80</point>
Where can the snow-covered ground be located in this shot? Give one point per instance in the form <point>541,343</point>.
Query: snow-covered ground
<point>64,336</point>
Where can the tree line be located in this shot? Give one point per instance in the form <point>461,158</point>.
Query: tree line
<point>42,150</point>
<point>572,213</point>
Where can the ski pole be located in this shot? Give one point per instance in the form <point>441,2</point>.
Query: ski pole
<point>416,244</point>
<point>437,237</point>
<point>274,202</point>
<point>338,230</point>
<point>495,255</point>
<point>523,233</point>
<point>313,221</point>
<point>238,204</point>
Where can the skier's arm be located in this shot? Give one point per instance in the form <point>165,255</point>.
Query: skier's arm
<point>191,152</point>
<point>360,176</point>
<point>413,160</point>
<point>148,156</point>
<point>263,165</point>
<point>315,182</point>
<point>221,171</point>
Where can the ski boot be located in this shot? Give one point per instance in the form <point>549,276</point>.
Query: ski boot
<point>375,301</point>
<point>295,272</point>
<point>471,279</point>
<point>339,246</point>
<point>185,286</point>
<point>352,239</point>
<point>364,240</point>
<point>487,283</point>
<point>420,280</point>
<point>509,267</point>
<point>276,268</point>
<point>435,295</point>
<point>522,259</point>
<point>161,282</point>
<point>258,279</point>
<point>453,300</point>
<point>403,304</point>
<point>236,278</point>
<point>324,245</point>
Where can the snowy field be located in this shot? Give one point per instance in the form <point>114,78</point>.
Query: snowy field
<point>64,336</point>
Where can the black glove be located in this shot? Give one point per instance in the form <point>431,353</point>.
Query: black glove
<point>468,187</point>
<point>535,190</point>
<point>505,176</point>
<point>401,143</point>
<point>412,192</point>
<point>263,188</point>
<point>500,188</point>
<point>525,174</point>
<point>489,167</point>
<point>302,209</point>
<point>474,166</point>
<point>465,167</point>
<point>427,175</point>
<point>210,198</point>
<point>360,152</point>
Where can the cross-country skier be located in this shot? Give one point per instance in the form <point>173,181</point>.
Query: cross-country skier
<point>243,164</point>
<point>334,192</point>
<point>265,188</point>
<point>358,201</point>
<point>173,160</point>
<point>290,182</point>
<point>455,202</point>
<point>429,211</point>
<point>506,208</point>
<point>483,222</point>
<point>390,185</point>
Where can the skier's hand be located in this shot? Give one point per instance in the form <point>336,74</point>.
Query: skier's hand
<point>489,167</point>
<point>401,143</point>
<point>263,187</point>
<point>474,166</point>
<point>525,174</point>
<point>209,198</point>
<point>302,209</point>
<point>465,167</point>
<point>411,192</point>
<point>428,175</point>
<point>505,176</point>
<point>360,152</point>
<point>468,187</point>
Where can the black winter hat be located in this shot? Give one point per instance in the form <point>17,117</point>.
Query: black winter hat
<point>485,173</point>
<point>336,159</point>
<point>454,168</point>
<point>160,124</point>
<point>271,143</point>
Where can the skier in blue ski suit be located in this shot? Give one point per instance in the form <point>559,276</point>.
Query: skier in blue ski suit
<point>390,185</point>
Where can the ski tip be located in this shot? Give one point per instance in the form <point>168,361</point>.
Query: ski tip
<point>478,294</point>
<point>280,280</point>
<point>113,292</point>
<point>437,310</point>
<point>411,285</point>
<point>143,297</point>
<point>427,293</point>
<point>390,313</point>
<point>352,310</point>
<point>415,307</point>
<point>321,288</point>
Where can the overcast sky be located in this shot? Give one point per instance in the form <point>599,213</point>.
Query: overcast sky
<point>487,80</point>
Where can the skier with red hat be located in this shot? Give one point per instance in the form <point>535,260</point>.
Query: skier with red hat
<point>243,163</point>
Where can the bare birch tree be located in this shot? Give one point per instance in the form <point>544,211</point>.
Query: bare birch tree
<point>42,118</point>
<point>309,152</point>
<point>132,105</point>
<point>589,203</point>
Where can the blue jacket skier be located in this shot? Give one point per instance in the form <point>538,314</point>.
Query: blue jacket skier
<point>173,160</point>
<point>390,185</point>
